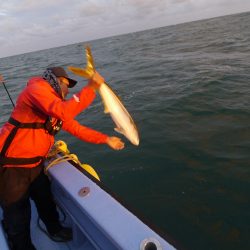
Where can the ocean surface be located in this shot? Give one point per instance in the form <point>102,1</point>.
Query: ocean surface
<point>187,87</point>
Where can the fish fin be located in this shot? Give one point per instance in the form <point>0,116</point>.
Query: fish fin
<point>119,130</point>
<point>89,58</point>
<point>80,72</point>
<point>89,70</point>
<point>106,110</point>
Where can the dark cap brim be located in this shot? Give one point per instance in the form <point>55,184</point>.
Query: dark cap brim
<point>72,82</point>
<point>60,72</point>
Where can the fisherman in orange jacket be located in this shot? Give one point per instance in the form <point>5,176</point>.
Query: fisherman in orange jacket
<point>25,140</point>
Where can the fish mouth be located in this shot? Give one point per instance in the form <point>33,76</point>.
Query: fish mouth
<point>136,142</point>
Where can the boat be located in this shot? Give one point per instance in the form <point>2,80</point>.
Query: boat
<point>98,219</point>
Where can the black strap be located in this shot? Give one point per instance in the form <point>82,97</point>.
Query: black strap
<point>19,161</point>
<point>34,125</point>
<point>8,141</point>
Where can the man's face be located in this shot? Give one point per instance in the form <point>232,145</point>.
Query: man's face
<point>64,83</point>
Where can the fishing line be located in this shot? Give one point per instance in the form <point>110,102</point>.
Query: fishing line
<point>2,81</point>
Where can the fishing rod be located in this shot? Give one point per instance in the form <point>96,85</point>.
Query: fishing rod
<point>2,81</point>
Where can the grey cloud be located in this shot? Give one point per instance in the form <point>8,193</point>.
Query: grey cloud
<point>3,13</point>
<point>18,6</point>
<point>50,20</point>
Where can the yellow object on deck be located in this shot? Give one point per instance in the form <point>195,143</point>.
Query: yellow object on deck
<point>61,148</point>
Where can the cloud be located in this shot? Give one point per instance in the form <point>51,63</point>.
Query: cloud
<point>19,6</point>
<point>57,22</point>
<point>2,13</point>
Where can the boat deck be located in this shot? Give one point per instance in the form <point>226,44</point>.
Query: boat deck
<point>97,219</point>
<point>41,240</point>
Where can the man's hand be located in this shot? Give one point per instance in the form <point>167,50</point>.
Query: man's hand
<point>115,143</point>
<point>95,81</point>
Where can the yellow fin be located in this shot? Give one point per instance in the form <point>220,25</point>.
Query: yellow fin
<point>89,59</point>
<point>89,70</point>
<point>80,72</point>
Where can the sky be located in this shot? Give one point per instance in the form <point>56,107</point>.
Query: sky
<point>31,25</point>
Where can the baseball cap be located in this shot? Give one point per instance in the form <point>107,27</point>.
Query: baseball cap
<point>60,72</point>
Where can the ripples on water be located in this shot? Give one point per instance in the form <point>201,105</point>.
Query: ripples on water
<point>187,87</point>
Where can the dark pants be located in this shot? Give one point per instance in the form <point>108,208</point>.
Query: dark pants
<point>17,185</point>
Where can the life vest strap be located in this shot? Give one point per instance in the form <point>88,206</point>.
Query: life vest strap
<point>8,141</point>
<point>19,161</point>
<point>13,160</point>
<point>34,125</point>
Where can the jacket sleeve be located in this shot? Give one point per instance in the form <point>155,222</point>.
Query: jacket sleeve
<point>43,97</point>
<point>84,133</point>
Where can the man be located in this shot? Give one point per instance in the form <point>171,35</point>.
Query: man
<point>25,140</point>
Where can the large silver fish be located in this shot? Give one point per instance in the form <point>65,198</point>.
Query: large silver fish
<point>112,104</point>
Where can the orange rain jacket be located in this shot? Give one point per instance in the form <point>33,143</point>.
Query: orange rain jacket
<point>35,104</point>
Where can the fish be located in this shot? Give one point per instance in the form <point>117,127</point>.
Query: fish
<point>112,103</point>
